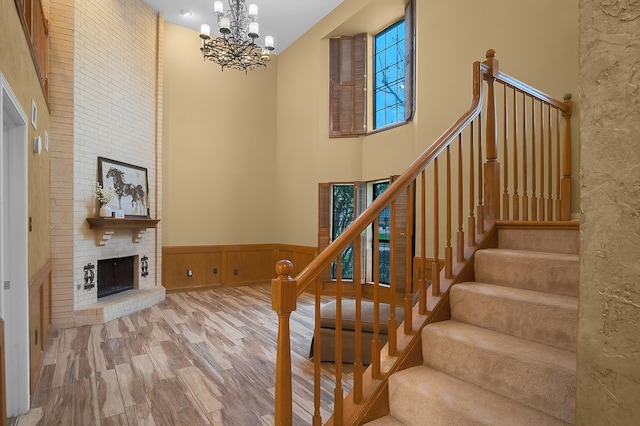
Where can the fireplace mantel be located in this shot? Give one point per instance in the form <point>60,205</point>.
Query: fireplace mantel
<point>108,225</point>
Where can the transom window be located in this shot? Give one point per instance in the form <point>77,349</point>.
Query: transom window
<point>389,68</point>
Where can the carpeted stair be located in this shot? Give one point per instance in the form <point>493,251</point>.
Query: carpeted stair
<point>507,356</point>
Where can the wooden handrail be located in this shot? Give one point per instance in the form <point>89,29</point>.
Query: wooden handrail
<point>531,139</point>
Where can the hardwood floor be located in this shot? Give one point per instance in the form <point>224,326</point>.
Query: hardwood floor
<point>198,358</point>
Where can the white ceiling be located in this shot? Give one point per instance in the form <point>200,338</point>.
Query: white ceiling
<point>285,20</point>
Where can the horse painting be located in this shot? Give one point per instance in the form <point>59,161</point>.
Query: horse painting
<point>125,189</point>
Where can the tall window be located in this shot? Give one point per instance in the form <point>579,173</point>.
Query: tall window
<point>342,214</point>
<point>389,69</point>
<point>384,232</point>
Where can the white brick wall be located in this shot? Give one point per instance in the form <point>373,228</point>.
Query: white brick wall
<point>114,117</point>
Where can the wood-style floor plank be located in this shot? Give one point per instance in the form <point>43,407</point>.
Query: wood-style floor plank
<point>198,358</point>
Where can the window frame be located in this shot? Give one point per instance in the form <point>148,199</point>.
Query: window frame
<point>398,63</point>
<point>360,115</point>
<point>363,197</point>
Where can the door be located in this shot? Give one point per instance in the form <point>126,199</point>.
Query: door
<point>14,300</point>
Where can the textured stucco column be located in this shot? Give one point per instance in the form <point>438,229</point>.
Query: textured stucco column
<point>609,316</point>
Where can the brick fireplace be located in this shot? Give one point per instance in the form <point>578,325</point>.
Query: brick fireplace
<point>109,108</point>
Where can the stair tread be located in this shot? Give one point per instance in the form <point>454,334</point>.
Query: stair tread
<point>386,421</point>
<point>528,314</point>
<point>555,273</point>
<point>549,240</point>
<point>523,294</point>
<point>538,375</point>
<point>423,392</point>
<point>534,253</point>
<point>495,341</point>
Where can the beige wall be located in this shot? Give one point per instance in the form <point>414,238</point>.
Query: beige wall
<point>535,41</point>
<point>18,68</point>
<point>219,148</point>
<point>609,315</point>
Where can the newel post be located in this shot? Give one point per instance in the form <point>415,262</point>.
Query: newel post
<point>492,166</point>
<point>283,301</point>
<point>565,186</point>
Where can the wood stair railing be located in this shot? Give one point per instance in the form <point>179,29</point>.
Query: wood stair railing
<point>460,172</point>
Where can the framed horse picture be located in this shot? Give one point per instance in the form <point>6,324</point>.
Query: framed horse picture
<point>130,183</point>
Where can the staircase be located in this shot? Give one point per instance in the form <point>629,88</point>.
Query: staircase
<point>507,355</point>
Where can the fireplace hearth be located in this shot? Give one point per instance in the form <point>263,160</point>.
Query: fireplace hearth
<point>115,275</point>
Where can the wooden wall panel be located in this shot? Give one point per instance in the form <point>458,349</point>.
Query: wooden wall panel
<point>230,265</point>
<point>39,319</point>
<point>192,270</point>
<point>250,265</point>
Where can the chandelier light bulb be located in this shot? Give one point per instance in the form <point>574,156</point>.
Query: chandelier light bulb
<point>253,11</point>
<point>253,30</point>
<point>218,8</point>
<point>225,25</point>
<point>268,42</point>
<point>205,30</point>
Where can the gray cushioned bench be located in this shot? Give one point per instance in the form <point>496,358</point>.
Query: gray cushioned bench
<point>328,329</point>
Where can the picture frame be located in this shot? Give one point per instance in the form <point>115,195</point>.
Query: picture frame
<point>130,183</point>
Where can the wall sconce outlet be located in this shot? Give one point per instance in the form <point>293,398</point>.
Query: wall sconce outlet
<point>189,273</point>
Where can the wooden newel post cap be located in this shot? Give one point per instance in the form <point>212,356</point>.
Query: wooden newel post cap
<point>284,288</point>
<point>491,53</point>
<point>284,268</point>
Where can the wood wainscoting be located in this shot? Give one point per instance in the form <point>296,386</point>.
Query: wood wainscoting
<point>188,268</point>
<point>39,319</point>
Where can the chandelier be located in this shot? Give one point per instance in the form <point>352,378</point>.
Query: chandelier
<point>236,47</point>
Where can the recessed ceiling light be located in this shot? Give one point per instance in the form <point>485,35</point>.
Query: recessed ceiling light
<point>185,12</point>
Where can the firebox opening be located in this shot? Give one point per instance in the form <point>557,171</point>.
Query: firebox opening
<point>115,275</point>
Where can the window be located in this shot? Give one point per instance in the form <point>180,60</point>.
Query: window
<point>340,204</point>
<point>342,215</point>
<point>392,87</point>
<point>388,85</point>
<point>384,233</point>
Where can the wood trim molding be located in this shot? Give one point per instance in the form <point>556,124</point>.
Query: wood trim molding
<point>106,227</point>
